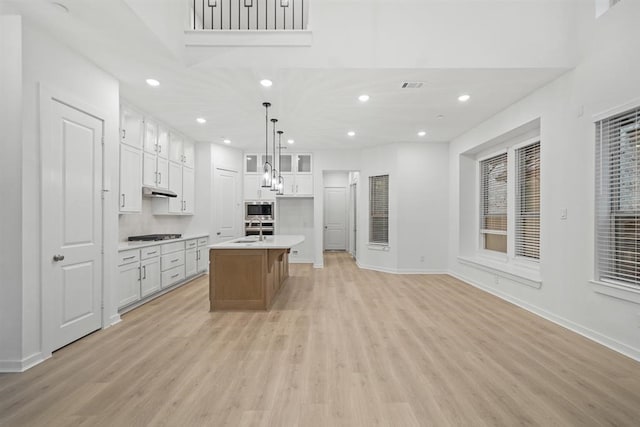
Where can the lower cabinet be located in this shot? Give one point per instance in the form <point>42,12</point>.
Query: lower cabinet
<point>149,276</point>
<point>147,271</point>
<point>128,284</point>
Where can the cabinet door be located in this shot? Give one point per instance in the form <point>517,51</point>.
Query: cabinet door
<point>175,185</point>
<point>175,148</point>
<point>304,185</point>
<point>285,164</point>
<point>149,276</point>
<point>163,173</point>
<point>188,190</point>
<point>150,137</point>
<point>149,172</point>
<point>130,128</point>
<point>163,142</point>
<point>303,163</point>
<point>252,187</point>
<point>188,154</point>
<point>289,184</point>
<point>128,284</point>
<point>203,259</point>
<point>130,179</point>
<point>251,163</point>
<point>191,262</point>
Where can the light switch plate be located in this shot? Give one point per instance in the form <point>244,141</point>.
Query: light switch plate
<point>563,213</point>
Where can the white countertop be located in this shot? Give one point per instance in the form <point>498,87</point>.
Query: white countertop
<point>279,241</point>
<point>123,246</point>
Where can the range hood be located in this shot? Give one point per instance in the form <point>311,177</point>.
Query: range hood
<point>157,192</point>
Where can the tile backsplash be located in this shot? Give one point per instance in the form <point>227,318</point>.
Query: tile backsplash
<point>147,223</point>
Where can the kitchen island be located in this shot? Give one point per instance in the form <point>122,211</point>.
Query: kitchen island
<point>246,274</point>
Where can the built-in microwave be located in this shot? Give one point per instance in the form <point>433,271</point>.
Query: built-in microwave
<point>259,210</point>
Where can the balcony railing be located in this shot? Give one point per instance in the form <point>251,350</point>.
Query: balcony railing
<point>249,14</point>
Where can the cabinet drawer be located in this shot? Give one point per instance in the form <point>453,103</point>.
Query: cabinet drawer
<point>190,244</point>
<point>127,257</point>
<point>172,276</point>
<point>172,260</point>
<point>150,252</point>
<point>172,247</point>
<point>203,241</point>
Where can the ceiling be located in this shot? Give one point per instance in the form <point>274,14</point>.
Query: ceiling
<point>315,107</point>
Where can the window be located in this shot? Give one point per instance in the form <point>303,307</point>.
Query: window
<point>618,198</point>
<point>510,201</point>
<point>493,202</point>
<point>527,221</point>
<point>379,209</point>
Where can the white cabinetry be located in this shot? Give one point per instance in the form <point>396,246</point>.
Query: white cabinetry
<point>145,272</point>
<point>130,179</point>
<point>300,182</point>
<point>130,127</point>
<point>155,167</point>
<point>182,180</point>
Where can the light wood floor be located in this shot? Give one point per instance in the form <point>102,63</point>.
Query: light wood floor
<point>341,346</point>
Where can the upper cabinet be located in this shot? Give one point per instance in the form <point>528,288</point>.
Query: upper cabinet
<point>175,148</point>
<point>131,130</point>
<point>130,179</point>
<point>251,163</point>
<point>150,137</point>
<point>188,153</point>
<point>163,142</point>
<point>303,163</point>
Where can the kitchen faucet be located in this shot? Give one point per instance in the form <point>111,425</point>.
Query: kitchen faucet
<point>260,236</point>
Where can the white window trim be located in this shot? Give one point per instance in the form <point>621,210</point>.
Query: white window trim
<point>506,262</point>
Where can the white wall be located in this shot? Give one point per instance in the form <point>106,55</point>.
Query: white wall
<point>606,77</point>
<point>47,62</point>
<point>10,192</point>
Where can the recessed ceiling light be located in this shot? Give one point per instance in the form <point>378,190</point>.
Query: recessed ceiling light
<point>422,133</point>
<point>266,83</point>
<point>201,120</point>
<point>464,98</point>
<point>227,141</point>
<point>153,82</point>
<point>351,133</point>
<point>363,98</point>
<point>249,157</point>
<point>290,141</point>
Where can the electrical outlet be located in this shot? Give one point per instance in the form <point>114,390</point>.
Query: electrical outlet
<point>422,258</point>
<point>496,279</point>
<point>563,213</point>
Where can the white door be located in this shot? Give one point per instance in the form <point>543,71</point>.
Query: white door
<point>353,215</point>
<point>335,218</point>
<point>71,223</point>
<point>227,205</point>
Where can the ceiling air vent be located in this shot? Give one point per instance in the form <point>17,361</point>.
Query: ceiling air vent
<point>412,85</point>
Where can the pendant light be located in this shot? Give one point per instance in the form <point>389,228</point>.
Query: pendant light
<point>267,168</point>
<point>274,171</point>
<point>280,187</point>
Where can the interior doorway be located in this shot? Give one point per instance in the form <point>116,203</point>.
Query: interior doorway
<point>339,211</point>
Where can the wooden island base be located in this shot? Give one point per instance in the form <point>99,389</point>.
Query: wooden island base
<point>246,279</point>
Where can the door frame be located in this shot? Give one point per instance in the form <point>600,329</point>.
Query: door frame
<point>238,217</point>
<point>46,95</point>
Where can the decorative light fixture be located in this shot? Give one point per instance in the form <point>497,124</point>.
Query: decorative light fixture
<point>274,171</point>
<point>363,98</point>
<point>290,141</point>
<point>227,141</point>
<point>280,186</point>
<point>267,168</point>
<point>153,82</point>
<point>284,3</point>
<point>201,120</point>
<point>266,83</point>
<point>212,3</point>
<point>248,3</point>
<point>464,97</point>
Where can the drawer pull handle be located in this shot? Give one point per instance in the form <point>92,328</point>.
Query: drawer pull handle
<point>175,260</point>
<point>151,253</point>
<point>129,257</point>
<point>175,275</point>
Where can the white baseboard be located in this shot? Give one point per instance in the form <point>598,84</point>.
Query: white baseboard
<point>22,365</point>
<point>113,320</point>
<point>300,261</point>
<point>614,345</point>
<point>318,265</point>
<point>399,270</point>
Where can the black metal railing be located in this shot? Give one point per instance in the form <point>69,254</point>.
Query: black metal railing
<point>249,14</point>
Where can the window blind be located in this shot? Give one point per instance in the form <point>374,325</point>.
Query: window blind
<point>618,198</point>
<point>493,202</point>
<point>379,209</point>
<point>527,218</point>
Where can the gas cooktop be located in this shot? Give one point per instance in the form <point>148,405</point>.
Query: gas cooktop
<point>151,237</point>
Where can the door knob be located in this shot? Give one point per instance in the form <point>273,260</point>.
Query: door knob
<point>218,233</point>
<point>58,258</point>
